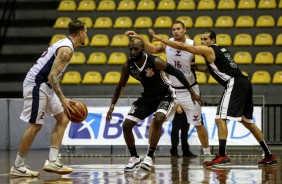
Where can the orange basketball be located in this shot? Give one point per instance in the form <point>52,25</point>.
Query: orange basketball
<point>80,112</point>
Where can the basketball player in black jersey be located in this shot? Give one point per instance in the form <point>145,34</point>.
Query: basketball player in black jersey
<point>236,102</point>
<point>157,97</point>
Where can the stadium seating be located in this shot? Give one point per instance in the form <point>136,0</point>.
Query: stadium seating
<point>106,5</point>
<point>62,22</point>
<point>265,21</point>
<point>186,5</point>
<point>103,22</point>
<point>243,57</point>
<point>163,22</point>
<point>117,58</point>
<point>132,80</point>
<point>86,5</point>
<point>146,5</point>
<point>226,5</point>
<point>166,5</point>
<point>243,39</point>
<point>223,39</point>
<point>123,22</point>
<point>71,77</point>
<point>126,5</point>
<point>264,58</point>
<point>211,80</point>
<point>100,40</point>
<point>278,59</point>
<point>246,4</point>
<point>92,77</point>
<point>267,4</point>
<point>143,22</point>
<point>261,77</point>
<point>97,58</point>
<point>224,22</point>
<point>203,22</point>
<point>244,21</point>
<point>57,37</point>
<point>87,20</point>
<point>119,40</point>
<point>277,78</point>
<point>278,40</point>
<point>201,77</point>
<point>78,58</point>
<point>206,5</point>
<point>111,77</point>
<point>263,39</point>
<point>187,20</point>
<point>67,5</point>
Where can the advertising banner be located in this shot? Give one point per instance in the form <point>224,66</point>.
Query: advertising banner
<point>94,130</point>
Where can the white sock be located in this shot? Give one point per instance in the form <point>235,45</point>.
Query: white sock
<point>19,160</point>
<point>53,154</point>
<point>207,151</point>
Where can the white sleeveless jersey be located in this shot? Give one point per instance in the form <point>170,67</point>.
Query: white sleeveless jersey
<point>181,60</point>
<point>39,72</point>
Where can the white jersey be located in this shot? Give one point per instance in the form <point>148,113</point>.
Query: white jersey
<point>39,72</point>
<point>181,60</point>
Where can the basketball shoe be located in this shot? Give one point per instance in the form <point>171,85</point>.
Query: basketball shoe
<point>23,170</point>
<point>147,163</point>
<point>132,164</point>
<point>218,160</point>
<point>57,167</point>
<point>268,161</point>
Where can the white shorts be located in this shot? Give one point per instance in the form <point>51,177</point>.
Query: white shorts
<point>39,100</point>
<point>193,111</point>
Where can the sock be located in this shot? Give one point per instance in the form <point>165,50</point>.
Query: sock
<point>53,154</point>
<point>222,146</point>
<point>19,160</point>
<point>265,148</point>
<point>151,152</point>
<point>133,151</point>
<point>207,151</point>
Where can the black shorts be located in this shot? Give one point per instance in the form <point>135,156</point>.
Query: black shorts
<point>145,106</point>
<point>237,100</point>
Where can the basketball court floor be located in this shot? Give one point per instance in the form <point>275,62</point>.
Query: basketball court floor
<point>97,169</point>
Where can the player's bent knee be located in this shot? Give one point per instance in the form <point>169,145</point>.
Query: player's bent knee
<point>128,124</point>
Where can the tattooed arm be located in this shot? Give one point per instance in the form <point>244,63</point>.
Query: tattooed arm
<point>64,55</point>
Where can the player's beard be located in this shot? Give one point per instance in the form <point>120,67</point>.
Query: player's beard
<point>138,57</point>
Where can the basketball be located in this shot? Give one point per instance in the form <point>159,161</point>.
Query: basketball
<point>80,112</point>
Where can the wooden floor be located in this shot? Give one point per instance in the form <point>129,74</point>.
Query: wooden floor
<point>104,170</point>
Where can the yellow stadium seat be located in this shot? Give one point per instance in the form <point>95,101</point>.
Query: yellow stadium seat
<point>243,57</point>
<point>211,80</point>
<point>67,5</point>
<point>86,5</point>
<point>87,20</point>
<point>97,58</point>
<point>143,22</point>
<point>265,21</point>
<point>100,40</point>
<point>245,21</point>
<point>184,5</point>
<point>163,22</point>
<point>162,55</point>
<point>144,37</point>
<point>263,39</point>
<point>223,39</point>
<point>224,22</point>
<point>278,59</point>
<point>226,5</point>
<point>199,60</point>
<point>206,5</point>
<point>123,22</point>
<point>243,39</point>
<point>279,21</point>
<point>92,77</point>
<point>264,58</point>
<point>277,77</point>
<point>187,20</point>
<point>86,42</point>
<point>57,37</point>
<point>267,4</point>
<point>126,5</point>
<point>71,77</point>
<point>203,22</point>
<point>146,5</point>
<point>132,80</point>
<point>164,36</point>
<point>77,58</point>
<point>245,73</point>
<point>261,77</point>
<point>120,40</point>
<point>280,4</point>
<point>278,40</point>
<point>62,22</point>
<point>197,38</point>
<point>246,4</point>
<point>166,5</point>
<point>201,77</point>
<point>106,5</point>
<point>112,77</point>
<point>117,58</point>
<point>103,22</point>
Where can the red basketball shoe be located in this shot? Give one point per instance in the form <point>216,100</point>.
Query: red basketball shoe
<point>218,160</point>
<point>268,161</point>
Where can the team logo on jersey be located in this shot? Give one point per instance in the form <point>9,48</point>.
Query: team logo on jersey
<point>149,72</point>
<point>178,53</point>
<point>195,118</point>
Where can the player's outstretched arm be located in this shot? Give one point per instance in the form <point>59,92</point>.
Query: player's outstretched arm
<point>119,89</point>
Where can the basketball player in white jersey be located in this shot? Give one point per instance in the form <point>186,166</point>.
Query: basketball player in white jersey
<point>43,95</point>
<point>182,60</point>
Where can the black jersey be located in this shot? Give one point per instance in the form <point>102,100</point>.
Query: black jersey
<point>224,66</point>
<point>154,82</point>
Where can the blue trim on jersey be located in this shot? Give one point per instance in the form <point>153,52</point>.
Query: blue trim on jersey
<point>42,75</point>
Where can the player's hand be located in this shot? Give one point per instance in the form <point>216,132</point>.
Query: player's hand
<point>66,104</point>
<point>197,98</point>
<point>153,34</point>
<point>109,114</point>
<point>132,34</point>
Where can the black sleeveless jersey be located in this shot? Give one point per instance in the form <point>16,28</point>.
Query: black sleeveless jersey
<point>154,82</point>
<point>224,66</point>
